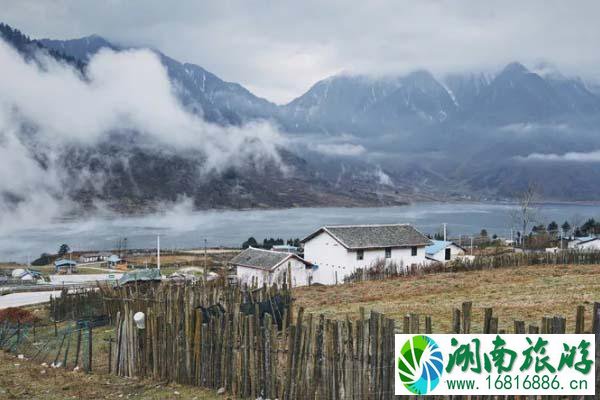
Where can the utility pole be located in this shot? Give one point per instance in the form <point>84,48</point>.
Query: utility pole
<point>471,245</point>
<point>205,263</point>
<point>158,252</point>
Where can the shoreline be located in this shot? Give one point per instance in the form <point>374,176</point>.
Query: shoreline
<point>187,228</point>
<point>166,211</point>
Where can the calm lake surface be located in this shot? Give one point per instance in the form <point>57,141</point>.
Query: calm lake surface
<point>188,229</point>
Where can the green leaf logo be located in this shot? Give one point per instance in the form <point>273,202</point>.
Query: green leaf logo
<point>420,364</point>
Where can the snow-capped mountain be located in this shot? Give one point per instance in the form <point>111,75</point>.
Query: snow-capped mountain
<point>362,104</point>
<point>458,135</point>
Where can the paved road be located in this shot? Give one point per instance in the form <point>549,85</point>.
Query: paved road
<point>83,278</point>
<point>25,299</point>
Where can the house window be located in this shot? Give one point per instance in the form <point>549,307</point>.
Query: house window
<point>413,251</point>
<point>360,254</point>
<point>447,254</point>
<point>388,253</point>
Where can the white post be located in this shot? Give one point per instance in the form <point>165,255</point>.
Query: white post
<point>158,252</point>
<point>444,231</point>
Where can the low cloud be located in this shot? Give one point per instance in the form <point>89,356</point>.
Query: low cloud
<point>528,127</point>
<point>47,107</point>
<point>593,156</point>
<point>383,178</point>
<point>341,149</point>
<point>279,49</point>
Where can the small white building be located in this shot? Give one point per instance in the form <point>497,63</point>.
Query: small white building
<point>25,274</point>
<point>258,266</point>
<point>339,251</point>
<point>588,243</point>
<point>443,251</point>
<point>89,258</point>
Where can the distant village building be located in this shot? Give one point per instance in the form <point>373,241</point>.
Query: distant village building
<point>26,274</point>
<point>113,260</point>
<point>338,251</point>
<point>92,257</point>
<point>443,251</point>
<point>588,243</point>
<point>64,266</point>
<point>258,266</point>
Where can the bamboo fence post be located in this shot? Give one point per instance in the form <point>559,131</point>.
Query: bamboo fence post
<point>466,316</point>
<point>487,320</point>
<point>90,342</point>
<point>456,321</point>
<point>428,327</point>
<point>519,327</point>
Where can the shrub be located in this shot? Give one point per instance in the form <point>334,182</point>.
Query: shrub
<point>14,315</point>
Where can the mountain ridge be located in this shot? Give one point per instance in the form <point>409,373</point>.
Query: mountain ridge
<point>443,137</point>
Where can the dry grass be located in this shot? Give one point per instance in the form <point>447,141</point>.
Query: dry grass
<point>166,259</point>
<point>525,293</point>
<point>23,379</point>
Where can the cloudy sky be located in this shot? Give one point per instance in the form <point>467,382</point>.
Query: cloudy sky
<point>278,49</point>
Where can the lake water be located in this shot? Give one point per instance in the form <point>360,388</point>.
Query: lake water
<point>188,229</point>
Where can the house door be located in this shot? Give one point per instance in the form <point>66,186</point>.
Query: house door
<point>447,255</point>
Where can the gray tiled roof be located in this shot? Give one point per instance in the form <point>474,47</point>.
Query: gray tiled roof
<point>375,236</point>
<point>259,258</point>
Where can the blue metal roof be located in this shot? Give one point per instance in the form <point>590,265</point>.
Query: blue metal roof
<point>584,238</point>
<point>114,258</point>
<point>64,263</point>
<point>149,274</point>
<point>436,246</point>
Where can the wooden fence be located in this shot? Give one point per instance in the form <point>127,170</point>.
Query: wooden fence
<point>84,303</point>
<point>311,358</point>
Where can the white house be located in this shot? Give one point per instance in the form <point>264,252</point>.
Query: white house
<point>259,266</point>
<point>338,251</point>
<point>588,243</point>
<point>443,250</point>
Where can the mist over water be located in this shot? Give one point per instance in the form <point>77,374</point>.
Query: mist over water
<point>180,227</point>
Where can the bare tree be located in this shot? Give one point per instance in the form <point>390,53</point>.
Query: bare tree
<point>576,222</point>
<point>526,213</point>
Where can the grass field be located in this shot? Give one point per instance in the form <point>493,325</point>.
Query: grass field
<point>526,293</point>
<point>23,379</point>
